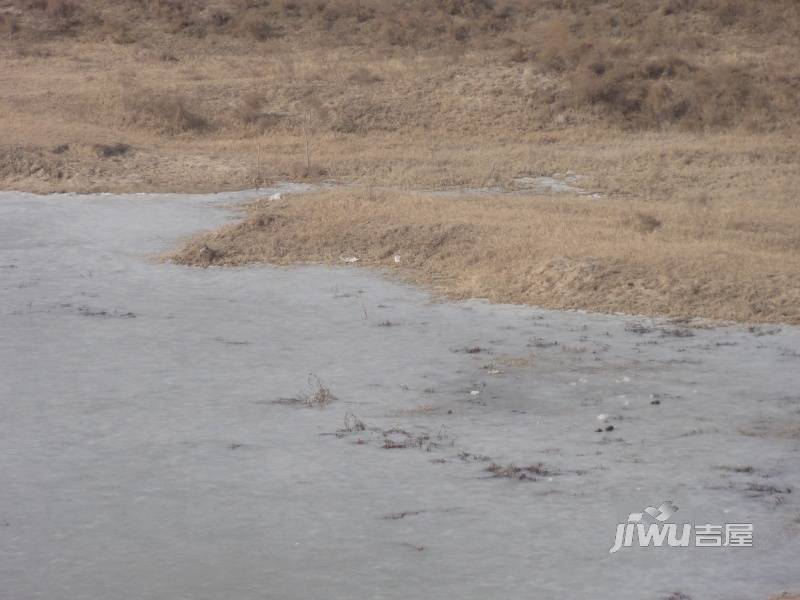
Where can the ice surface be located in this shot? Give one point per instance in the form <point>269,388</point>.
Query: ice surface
<point>145,451</point>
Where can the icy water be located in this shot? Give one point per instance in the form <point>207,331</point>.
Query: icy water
<point>150,446</point>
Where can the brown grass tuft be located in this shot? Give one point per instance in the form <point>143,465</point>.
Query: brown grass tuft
<point>317,396</point>
<point>166,112</point>
<point>9,24</point>
<point>259,27</point>
<point>60,9</point>
<point>644,222</point>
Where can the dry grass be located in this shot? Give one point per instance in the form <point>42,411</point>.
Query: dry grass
<point>709,259</point>
<point>420,93</point>
<point>512,471</point>
<point>318,395</point>
<point>683,113</point>
<point>394,92</point>
<point>165,113</point>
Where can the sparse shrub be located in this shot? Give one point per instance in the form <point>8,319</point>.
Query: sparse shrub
<point>352,424</point>
<point>615,87</point>
<point>460,33</point>
<point>557,46</point>
<point>291,8</point>
<point>671,90</point>
<point>644,222</point>
<point>111,150</point>
<point>397,438</point>
<point>252,114</point>
<point>207,256</point>
<point>318,395</point>
<point>34,52</point>
<point>9,24</point>
<point>669,67</point>
<point>250,107</point>
<point>122,33</point>
<point>632,63</point>
<point>61,16</point>
<point>301,170</point>
<point>363,76</point>
<point>500,19</point>
<point>466,8</point>
<point>166,112</point>
<point>362,117</point>
<point>728,12</point>
<point>728,95</point>
<point>511,471</point>
<point>259,27</point>
<point>364,13</point>
<point>196,30</point>
<point>674,7</point>
<point>219,17</point>
<point>330,15</point>
<point>520,55</point>
<point>61,9</point>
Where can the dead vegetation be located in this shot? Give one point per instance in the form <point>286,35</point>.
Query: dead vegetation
<point>402,515</point>
<point>683,114</point>
<point>318,395</point>
<point>352,424</point>
<point>693,64</point>
<point>571,253</point>
<point>103,150</point>
<point>166,113</point>
<point>414,93</point>
<point>511,471</point>
<point>398,438</point>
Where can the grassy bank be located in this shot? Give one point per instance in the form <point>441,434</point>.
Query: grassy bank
<point>680,115</point>
<point>681,259</point>
<point>216,95</point>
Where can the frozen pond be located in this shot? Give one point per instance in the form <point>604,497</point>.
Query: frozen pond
<point>149,446</point>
